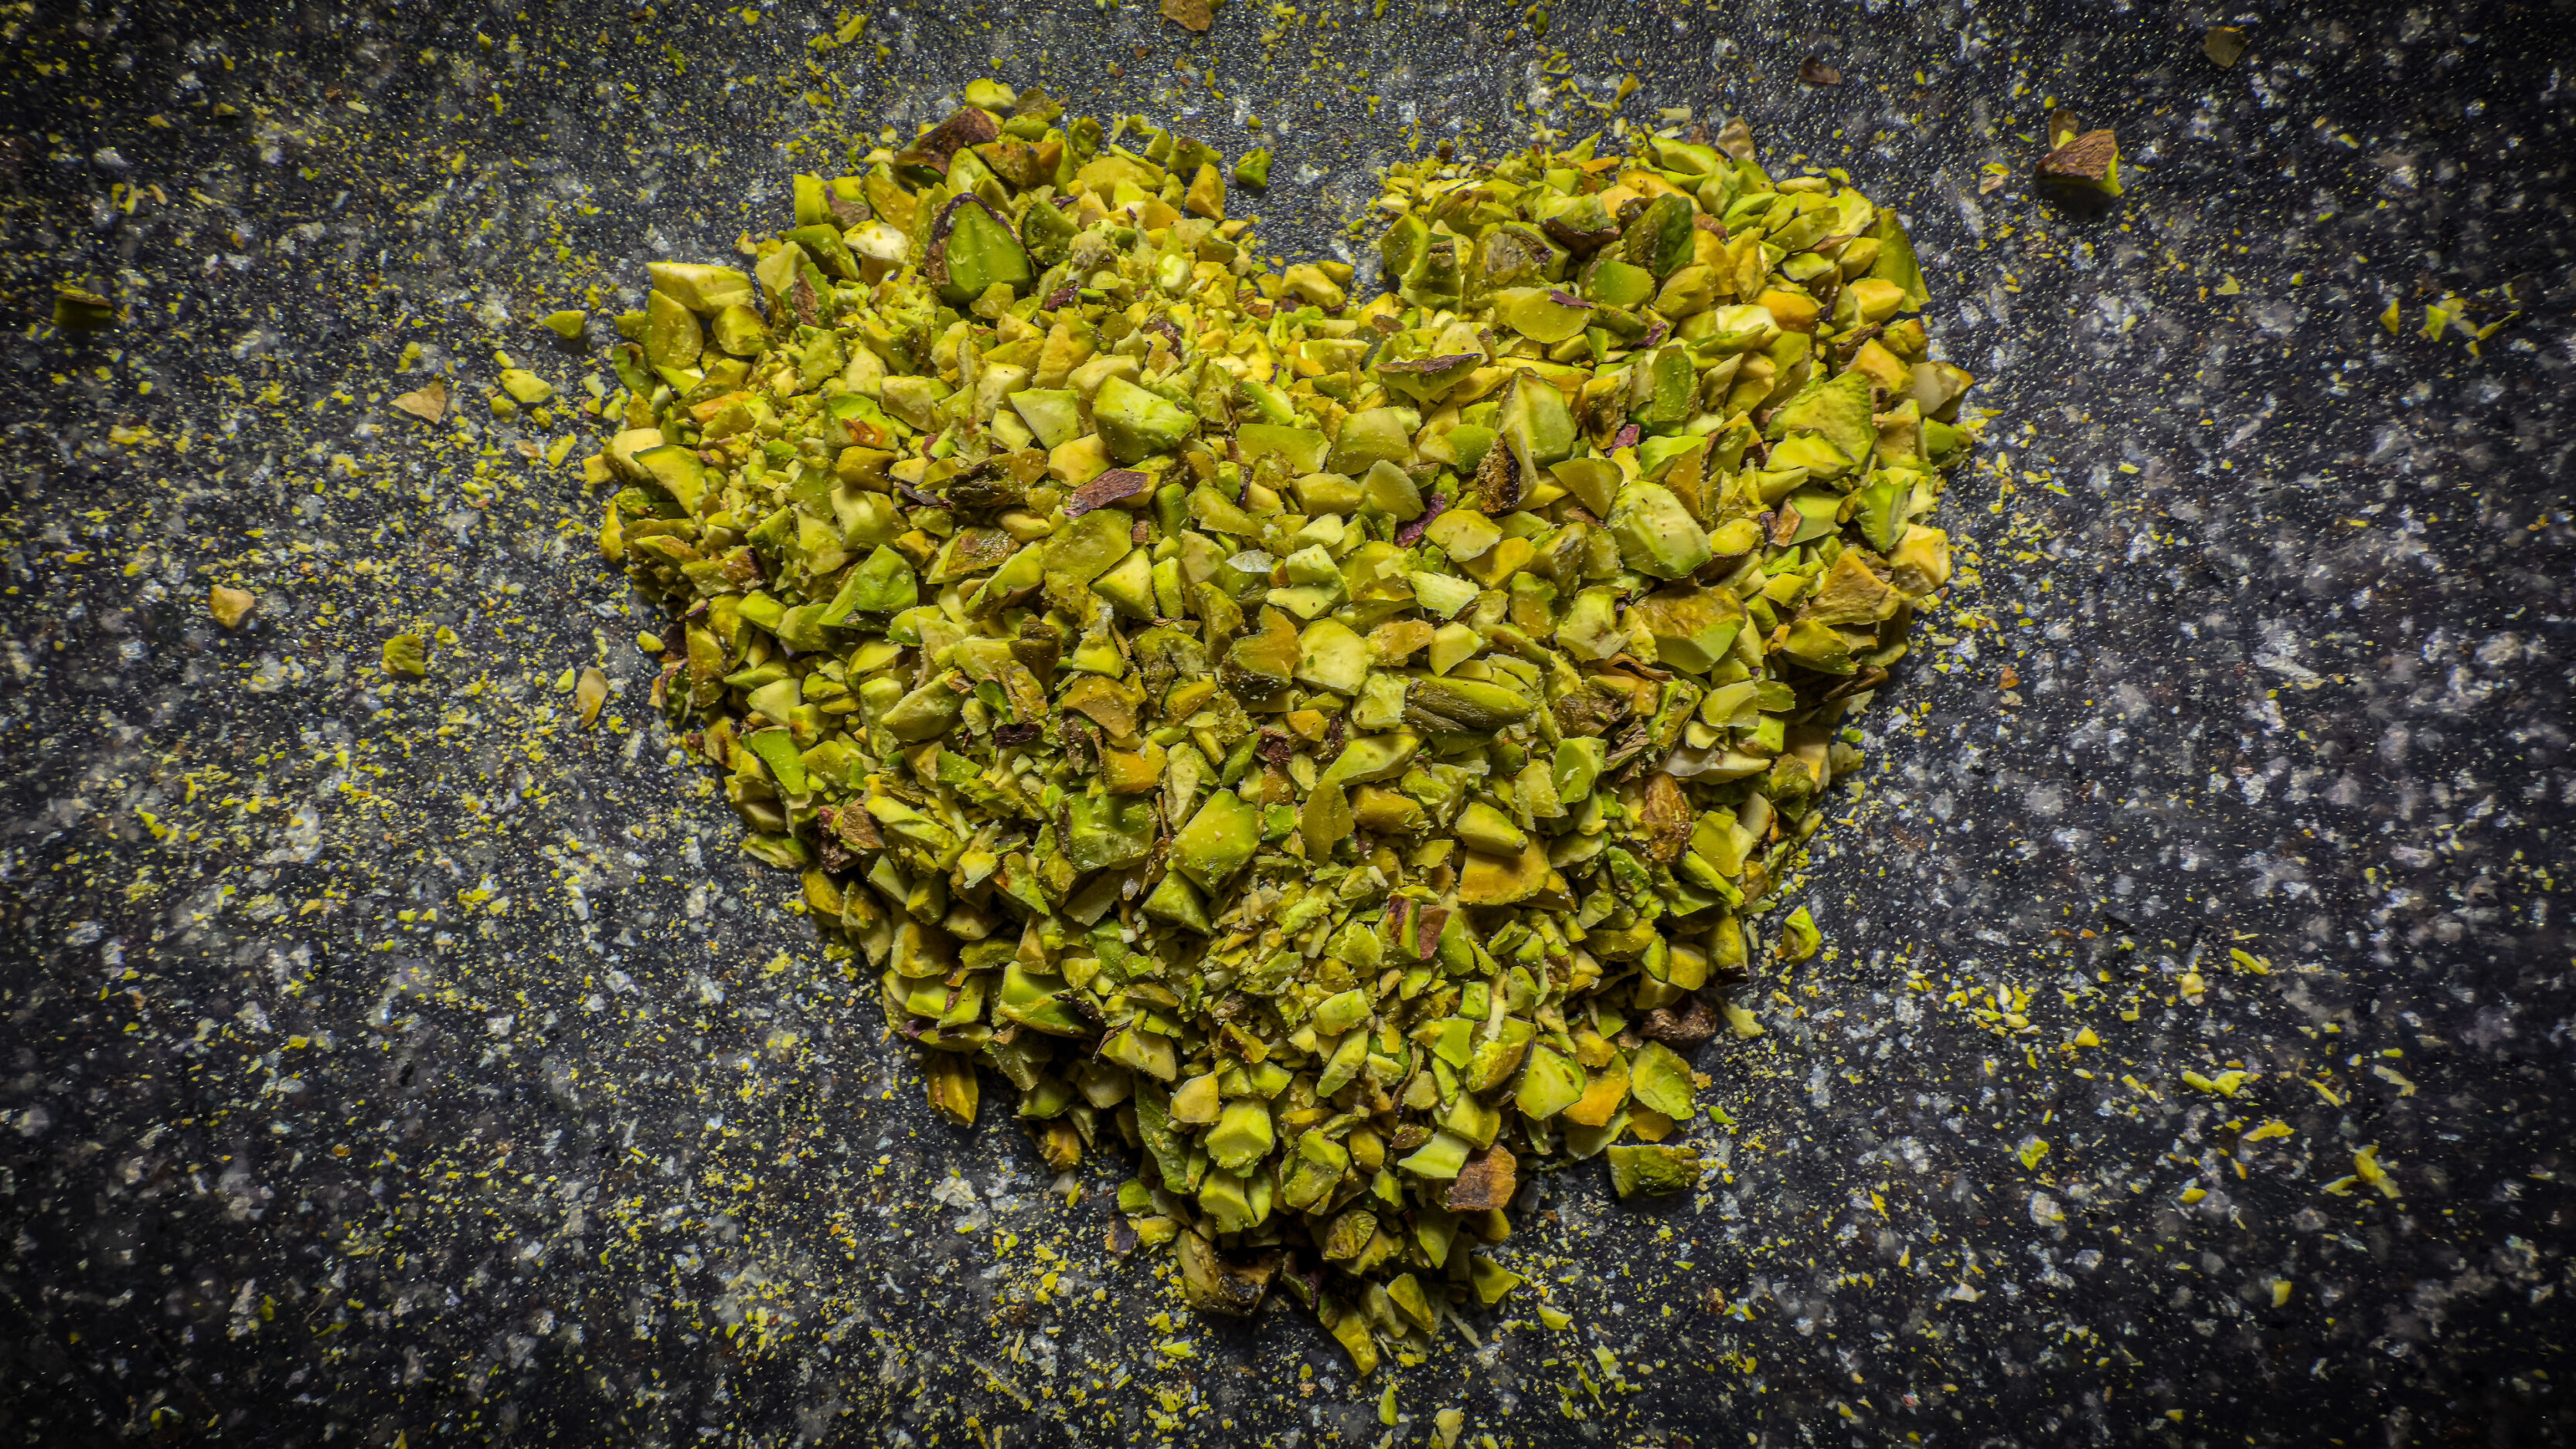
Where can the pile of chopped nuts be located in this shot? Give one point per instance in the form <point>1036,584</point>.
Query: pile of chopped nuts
<point>1328,747</point>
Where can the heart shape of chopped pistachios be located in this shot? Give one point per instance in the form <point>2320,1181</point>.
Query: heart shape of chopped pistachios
<point>1332,749</point>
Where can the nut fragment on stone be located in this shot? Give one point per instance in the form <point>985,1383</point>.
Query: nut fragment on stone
<point>427,403</point>
<point>2086,161</point>
<point>230,605</point>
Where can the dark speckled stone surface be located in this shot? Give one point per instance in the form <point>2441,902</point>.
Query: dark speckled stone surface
<point>2263,646</point>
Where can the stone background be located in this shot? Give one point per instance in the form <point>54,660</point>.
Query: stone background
<point>413,1064</point>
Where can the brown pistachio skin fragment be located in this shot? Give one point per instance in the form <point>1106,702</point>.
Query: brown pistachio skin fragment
<point>1104,490</point>
<point>1690,1027</point>
<point>2090,161</point>
<point>1486,1183</point>
<point>1212,1284</point>
<point>970,126</point>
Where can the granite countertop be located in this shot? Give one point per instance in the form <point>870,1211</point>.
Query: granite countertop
<point>409,1064</point>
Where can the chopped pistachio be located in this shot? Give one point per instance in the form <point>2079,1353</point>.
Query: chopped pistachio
<point>230,605</point>
<point>2080,160</point>
<point>525,387</point>
<point>1652,1169</point>
<point>77,309</point>
<point>427,402</point>
<point>406,654</point>
<point>591,693</point>
<point>1355,734</point>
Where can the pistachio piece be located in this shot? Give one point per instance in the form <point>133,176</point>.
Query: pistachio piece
<point>1211,1284</point>
<point>1638,1168</point>
<point>77,309</point>
<point>973,250</point>
<point>1656,535</point>
<point>1241,1136</point>
<point>1497,879</point>
<point>230,605</point>
<point>406,654</point>
<point>427,402</point>
<point>1485,1184</point>
<point>2088,161</point>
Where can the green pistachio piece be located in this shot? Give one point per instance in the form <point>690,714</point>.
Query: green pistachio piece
<point>926,713</point>
<point>1659,240</point>
<point>1343,1066</point>
<point>882,583</point>
<point>1083,550</point>
<point>972,249</point>
<point>1693,628</point>
<point>677,472</point>
<point>1549,1084</point>
<point>740,330</point>
<point>1656,535</point>
<point>1440,1158</point>
<point>672,335</point>
<point>1482,827</point>
<point>1174,900</point>
<point>1373,436</point>
<point>1330,656</point>
<point>1141,1051</point>
<point>1241,1136</point>
<point>1578,764</point>
<point>705,290</point>
<point>777,749</point>
<point>1373,757</point>
<point>1302,450</point>
<point>1462,704</point>
<point>1920,563</point>
<point>1591,630</point>
<point>1659,1078</point>
<point>1640,1168</point>
<point>1036,1002</point>
<point>1616,283</point>
<point>1136,424</point>
<point>1498,880</point>
<point>1836,410</point>
<point>1663,389</point>
<point>1316,1171</point>
<point>406,654</point>
<point>1218,840</point>
<point>1434,277</point>
<point>1108,832</point>
<point>1340,1013</point>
